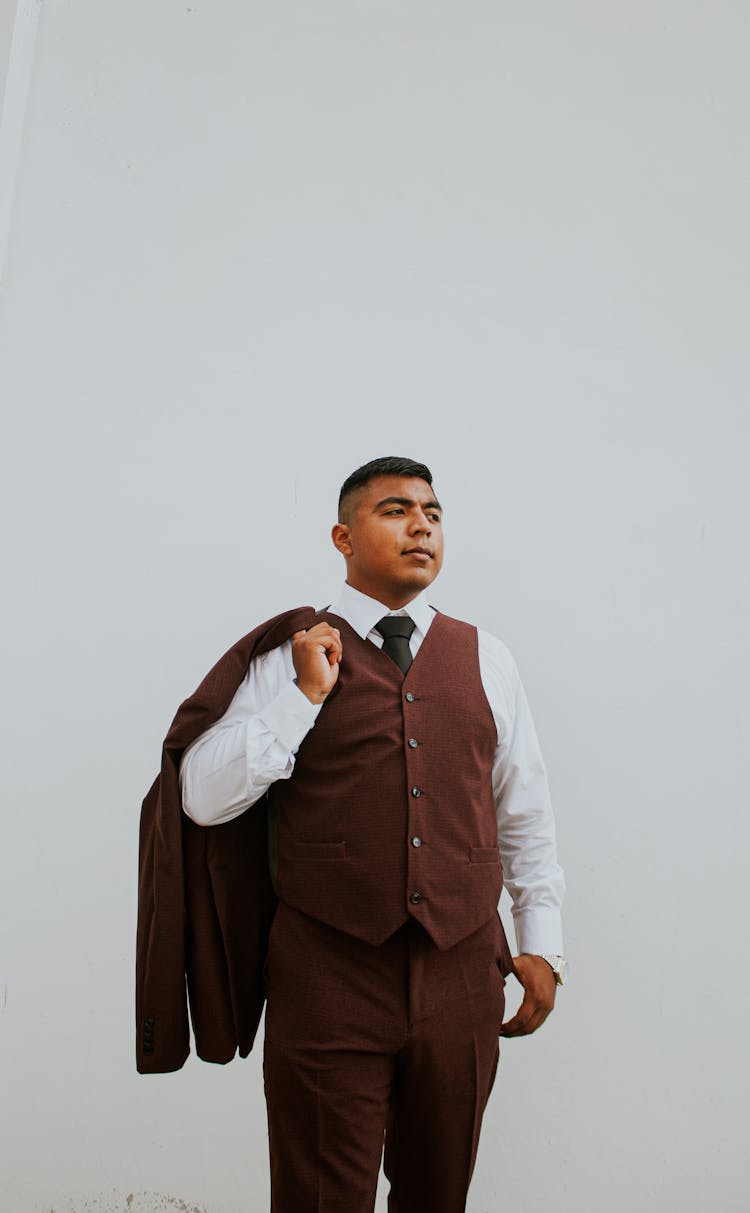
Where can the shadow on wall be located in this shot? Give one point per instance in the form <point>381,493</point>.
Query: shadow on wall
<point>7,20</point>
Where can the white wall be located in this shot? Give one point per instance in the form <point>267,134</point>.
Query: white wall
<point>254,245</point>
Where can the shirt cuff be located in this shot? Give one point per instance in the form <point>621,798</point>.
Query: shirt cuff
<point>290,716</point>
<point>539,930</point>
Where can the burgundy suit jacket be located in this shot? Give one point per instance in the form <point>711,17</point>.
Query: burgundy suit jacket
<point>205,899</point>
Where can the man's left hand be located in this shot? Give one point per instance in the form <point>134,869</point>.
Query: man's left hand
<point>538,981</point>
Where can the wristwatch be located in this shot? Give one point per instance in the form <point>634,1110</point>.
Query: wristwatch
<point>558,965</point>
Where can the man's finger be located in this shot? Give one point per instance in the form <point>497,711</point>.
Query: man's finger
<point>323,631</point>
<point>518,1025</point>
<point>331,644</point>
<point>529,1016</point>
<point>515,1028</point>
<point>322,639</point>
<point>320,636</point>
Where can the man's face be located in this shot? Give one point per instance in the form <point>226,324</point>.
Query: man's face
<point>391,539</point>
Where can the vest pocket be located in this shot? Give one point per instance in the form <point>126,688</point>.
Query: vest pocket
<point>484,855</point>
<point>318,850</point>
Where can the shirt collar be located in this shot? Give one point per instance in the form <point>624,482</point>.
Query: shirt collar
<point>362,612</point>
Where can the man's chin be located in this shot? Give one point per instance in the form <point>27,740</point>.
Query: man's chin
<point>420,579</point>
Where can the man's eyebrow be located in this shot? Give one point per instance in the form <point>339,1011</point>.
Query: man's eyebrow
<point>408,501</point>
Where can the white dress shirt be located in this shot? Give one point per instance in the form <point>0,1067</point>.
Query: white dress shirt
<point>230,766</point>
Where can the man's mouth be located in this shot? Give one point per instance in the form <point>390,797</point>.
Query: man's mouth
<point>419,552</point>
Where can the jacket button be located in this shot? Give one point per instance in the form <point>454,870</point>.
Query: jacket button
<point>416,841</point>
<point>415,899</point>
<point>409,697</point>
<point>416,791</point>
<point>413,742</point>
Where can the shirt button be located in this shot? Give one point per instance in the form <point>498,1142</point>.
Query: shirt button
<point>416,841</point>
<point>409,697</point>
<point>415,899</point>
<point>416,791</point>
<point>413,742</point>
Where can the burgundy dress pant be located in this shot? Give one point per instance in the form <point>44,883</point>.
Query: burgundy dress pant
<point>397,1042</point>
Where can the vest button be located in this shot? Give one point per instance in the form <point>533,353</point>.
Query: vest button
<point>413,742</point>
<point>416,791</point>
<point>409,697</point>
<point>415,899</point>
<point>416,841</point>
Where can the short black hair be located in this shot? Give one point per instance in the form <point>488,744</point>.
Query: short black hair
<point>386,465</point>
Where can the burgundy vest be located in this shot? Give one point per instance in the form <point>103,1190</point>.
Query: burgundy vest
<point>390,811</point>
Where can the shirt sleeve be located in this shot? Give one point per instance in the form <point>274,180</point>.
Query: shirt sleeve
<point>233,764</point>
<point>525,822</point>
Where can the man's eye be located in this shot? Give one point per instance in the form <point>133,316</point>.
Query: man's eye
<point>396,510</point>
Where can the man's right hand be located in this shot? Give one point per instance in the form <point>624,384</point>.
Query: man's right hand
<point>316,655</point>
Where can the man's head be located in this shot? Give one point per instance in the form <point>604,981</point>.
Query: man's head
<point>390,530</point>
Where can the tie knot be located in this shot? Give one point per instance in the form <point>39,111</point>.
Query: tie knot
<point>391,626</point>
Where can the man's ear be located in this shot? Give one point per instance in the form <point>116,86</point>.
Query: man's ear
<point>342,539</point>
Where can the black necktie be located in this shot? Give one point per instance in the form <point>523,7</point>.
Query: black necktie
<point>396,631</point>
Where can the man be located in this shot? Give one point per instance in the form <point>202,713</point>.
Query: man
<point>393,752</point>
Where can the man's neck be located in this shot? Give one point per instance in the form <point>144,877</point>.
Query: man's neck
<point>394,602</point>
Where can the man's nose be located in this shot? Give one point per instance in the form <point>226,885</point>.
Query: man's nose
<point>421,524</point>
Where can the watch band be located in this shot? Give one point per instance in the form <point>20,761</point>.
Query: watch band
<point>558,965</point>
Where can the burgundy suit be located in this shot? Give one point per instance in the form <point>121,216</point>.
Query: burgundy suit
<point>387,958</point>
